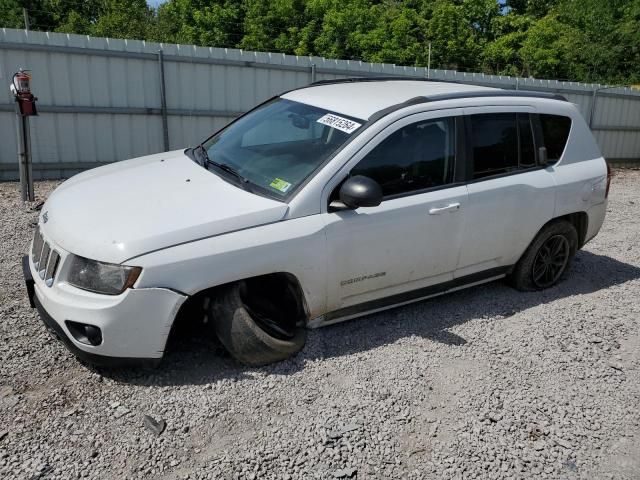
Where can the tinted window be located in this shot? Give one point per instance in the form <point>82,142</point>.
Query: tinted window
<point>527,148</point>
<point>555,131</point>
<point>501,143</point>
<point>414,157</point>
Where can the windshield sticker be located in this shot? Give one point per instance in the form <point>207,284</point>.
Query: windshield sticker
<point>280,185</point>
<point>339,123</point>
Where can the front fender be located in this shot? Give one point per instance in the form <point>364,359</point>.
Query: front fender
<point>296,246</point>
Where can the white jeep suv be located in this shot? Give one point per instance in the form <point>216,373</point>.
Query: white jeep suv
<point>322,204</point>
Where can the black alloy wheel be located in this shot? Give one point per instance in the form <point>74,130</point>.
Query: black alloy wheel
<point>550,261</point>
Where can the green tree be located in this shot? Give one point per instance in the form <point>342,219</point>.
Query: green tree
<point>399,36</point>
<point>123,19</point>
<point>11,14</point>
<point>596,23</point>
<point>341,28</point>
<point>628,41</point>
<point>585,40</point>
<point>502,55</point>
<point>454,41</point>
<point>536,8</point>
<point>201,22</point>
<point>274,25</point>
<point>549,49</point>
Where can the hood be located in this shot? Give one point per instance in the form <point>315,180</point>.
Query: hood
<point>129,208</point>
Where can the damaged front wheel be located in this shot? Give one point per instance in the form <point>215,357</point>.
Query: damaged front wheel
<point>259,321</point>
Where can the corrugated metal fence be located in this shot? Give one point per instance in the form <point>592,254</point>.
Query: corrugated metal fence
<point>100,99</point>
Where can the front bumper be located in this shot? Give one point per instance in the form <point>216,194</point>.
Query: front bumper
<point>135,325</point>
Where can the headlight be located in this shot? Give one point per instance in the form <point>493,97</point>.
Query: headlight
<point>99,277</point>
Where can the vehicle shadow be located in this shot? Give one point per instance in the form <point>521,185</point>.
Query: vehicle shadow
<point>194,358</point>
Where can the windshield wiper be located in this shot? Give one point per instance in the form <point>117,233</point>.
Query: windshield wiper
<point>228,169</point>
<point>204,155</point>
<point>200,155</point>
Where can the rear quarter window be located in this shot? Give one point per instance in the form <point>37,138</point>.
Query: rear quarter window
<point>555,132</point>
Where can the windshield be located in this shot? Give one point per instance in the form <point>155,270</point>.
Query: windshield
<point>278,145</point>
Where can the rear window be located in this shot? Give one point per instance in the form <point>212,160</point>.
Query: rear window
<point>555,131</point>
<point>501,143</point>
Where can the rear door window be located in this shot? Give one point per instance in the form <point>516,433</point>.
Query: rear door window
<point>527,145</point>
<point>501,143</point>
<point>555,133</point>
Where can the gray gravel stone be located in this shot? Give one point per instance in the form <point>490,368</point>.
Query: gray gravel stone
<point>345,473</point>
<point>153,425</point>
<point>486,383</point>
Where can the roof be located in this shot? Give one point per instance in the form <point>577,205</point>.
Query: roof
<point>363,99</point>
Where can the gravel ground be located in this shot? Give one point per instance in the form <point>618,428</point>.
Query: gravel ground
<point>485,383</point>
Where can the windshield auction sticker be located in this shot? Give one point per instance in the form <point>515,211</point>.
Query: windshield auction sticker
<point>280,185</point>
<point>339,123</point>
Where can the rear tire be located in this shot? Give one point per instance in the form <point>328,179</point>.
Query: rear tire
<point>258,334</point>
<point>548,257</point>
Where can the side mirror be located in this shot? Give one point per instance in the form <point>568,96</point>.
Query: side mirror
<point>543,158</point>
<point>361,191</point>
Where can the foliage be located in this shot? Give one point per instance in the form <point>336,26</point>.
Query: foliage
<point>582,40</point>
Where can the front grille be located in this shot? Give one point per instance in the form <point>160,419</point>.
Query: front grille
<point>45,259</point>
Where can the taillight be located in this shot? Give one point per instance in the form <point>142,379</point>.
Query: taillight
<point>609,175</point>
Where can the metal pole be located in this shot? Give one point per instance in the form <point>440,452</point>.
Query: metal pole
<point>24,159</point>
<point>517,83</point>
<point>28,160</point>
<point>22,163</point>
<point>592,110</point>
<point>313,72</point>
<point>26,19</point>
<point>163,102</point>
<point>429,62</point>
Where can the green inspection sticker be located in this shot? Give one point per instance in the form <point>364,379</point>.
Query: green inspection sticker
<point>280,185</point>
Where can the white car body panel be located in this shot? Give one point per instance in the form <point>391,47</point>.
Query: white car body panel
<point>399,246</point>
<point>504,213</point>
<point>192,235</point>
<point>122,210</point>
<point>135,324</point>
<point>297,246</point>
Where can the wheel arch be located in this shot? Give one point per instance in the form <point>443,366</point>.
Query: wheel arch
<point>579,220</point>
<point>193,306</point>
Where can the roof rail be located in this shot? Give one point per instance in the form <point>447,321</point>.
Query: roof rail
<point>490,92</point>
<point>459,95</point>
<point>498,92</point>
<point>375,78</point>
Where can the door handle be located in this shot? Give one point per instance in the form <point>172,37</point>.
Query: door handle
<point>449,208</point>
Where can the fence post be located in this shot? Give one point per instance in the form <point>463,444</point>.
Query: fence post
<point>24,159</point>
<point>592,109</point>
<point>163,103</point>
<point>313,72</point>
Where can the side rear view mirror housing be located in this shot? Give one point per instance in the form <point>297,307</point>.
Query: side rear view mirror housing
<point>361,191</point>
